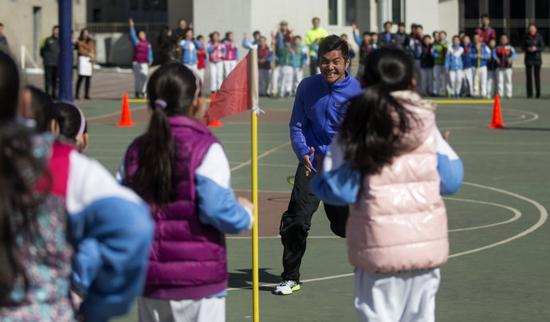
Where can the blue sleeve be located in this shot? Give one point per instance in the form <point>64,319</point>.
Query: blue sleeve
<point>297,123</point>
<point>514,55</point>
<point>358,39</point>
<point>133,36</point>
<point>337,187</point>
<point>198,44</point>
<point>113,237</point>
<point>451,173</point>
<point>449,166</point>
<point>150,55</point>
<point>210,48</point>
<point>111,231</point>
<point>219,208</point>
<point>447,62</point>
<point>246,44</point>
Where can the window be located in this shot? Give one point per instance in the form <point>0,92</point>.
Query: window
<point>496,9</point>
<point>396,11</point>
<point>542,9</point>
<point>471,9</point>
<point>351,12</point>
<point>134,5</point>
<point>517,9</point>
<point>157,5</point>
<point>332,12</point>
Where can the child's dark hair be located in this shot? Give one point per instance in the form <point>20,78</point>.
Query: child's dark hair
<point>211,36</point>
<point>376,122</point>
<point>227,34</point>
<point>331,43</point>
<point>427,37</point>
<point>72,122</point>
<point>199,37</point>
<point>43,109</point>
<point>19,172</point>
<point>171,90</point>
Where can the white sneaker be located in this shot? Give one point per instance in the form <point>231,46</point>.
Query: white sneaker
<point>286,288</point>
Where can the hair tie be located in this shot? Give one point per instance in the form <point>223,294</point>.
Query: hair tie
<point>82,123</point>
<point>161,103</point>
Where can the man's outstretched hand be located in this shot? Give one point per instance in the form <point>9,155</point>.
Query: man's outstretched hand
<point>307,161</point>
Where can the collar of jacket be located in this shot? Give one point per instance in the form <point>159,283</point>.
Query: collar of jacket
<point>413,98</point>
<point>338,85</point>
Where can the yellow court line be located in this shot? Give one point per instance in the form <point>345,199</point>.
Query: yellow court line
<point>463,102</point>
<point>143,100</point>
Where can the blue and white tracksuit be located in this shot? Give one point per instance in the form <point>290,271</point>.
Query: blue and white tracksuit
<point>480,68</point>
<point>189,53</point>
<point>111,230</point>
<point>454,66</point>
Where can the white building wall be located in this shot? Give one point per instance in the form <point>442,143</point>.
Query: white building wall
<point>17,17</point>
<point>449,17</point>
<point>424,12</point>
<point>227,15</point>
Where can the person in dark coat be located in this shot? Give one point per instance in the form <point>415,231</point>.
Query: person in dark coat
<point>533,46</point>
<point>4,46</point>
<point>50,57</point>
<point>387,38</point>
<point>179,33</point>
<point>167,46</point>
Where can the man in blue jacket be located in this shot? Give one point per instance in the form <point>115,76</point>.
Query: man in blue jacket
<point>320,104</point>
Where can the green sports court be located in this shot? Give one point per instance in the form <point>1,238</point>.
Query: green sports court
<point>499,268</point>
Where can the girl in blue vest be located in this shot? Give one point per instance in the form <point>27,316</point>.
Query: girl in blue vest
<point>454,67</point>
<point>65,223</point>
<point>189,47</point>
<point>143,57</point>
<point>479,57</point>
<point>180,169</point>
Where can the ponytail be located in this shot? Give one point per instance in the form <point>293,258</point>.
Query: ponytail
<point>171,90</point>
<point>372,130</point>
<point>374,126</point>
<point>156,156</point>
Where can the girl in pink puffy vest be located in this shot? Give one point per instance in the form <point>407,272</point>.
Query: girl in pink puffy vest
<point>391,165</point>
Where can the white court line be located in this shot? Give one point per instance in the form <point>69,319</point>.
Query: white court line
<point>543,216</point>
<point>266,153</point>
<point>515,217</point>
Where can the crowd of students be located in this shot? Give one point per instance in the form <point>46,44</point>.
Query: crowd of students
<point>467,66</point>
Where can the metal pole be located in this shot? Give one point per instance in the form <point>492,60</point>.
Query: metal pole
<point>66,51</point>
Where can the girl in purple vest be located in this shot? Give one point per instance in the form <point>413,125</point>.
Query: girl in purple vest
<point>216,51</point>
<point>391,165</point>
<point>231,54</point>
<point>179,168</point>
<point>143,57</point>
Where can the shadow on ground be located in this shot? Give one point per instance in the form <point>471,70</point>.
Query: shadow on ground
<point>243,278</point>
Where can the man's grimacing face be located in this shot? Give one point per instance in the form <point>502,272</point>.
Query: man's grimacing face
<point>333,66</point>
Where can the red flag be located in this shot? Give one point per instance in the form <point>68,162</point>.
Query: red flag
<point>234,94</point>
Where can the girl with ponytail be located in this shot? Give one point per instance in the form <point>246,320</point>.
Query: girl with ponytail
<point>390,163</point>
<point>58,209</point>
<point>180,169</point>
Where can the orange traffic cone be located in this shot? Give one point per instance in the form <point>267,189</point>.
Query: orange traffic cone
<point>214,123</point>
<point>126,115</point>
<point>496,122</point>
